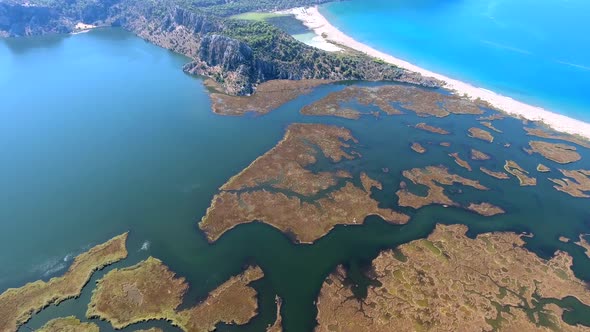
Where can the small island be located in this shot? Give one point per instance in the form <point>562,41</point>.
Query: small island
<point>68,324</point>
<point>494,174</point>
<point>513,168</point>
<point>417,147</point>
<point>543,169</point>
<point>485,209</point>
<point>435,177</point>
<point>308,204</point>
<point>489,125</point>
<point>478,155</point>
<point>431,129</point>
<point>559,153</point>
<point>18,304</point>
<point>460,161</point>
<point>150,291</point>
<point>576,183</point>
<point>146,291</point>
<point>449,281</point>
<point>480,134</point>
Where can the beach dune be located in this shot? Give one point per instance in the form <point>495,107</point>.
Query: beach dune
<point>314,20</point>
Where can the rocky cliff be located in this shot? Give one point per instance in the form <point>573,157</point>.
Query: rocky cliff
<point>237,54</point>
<point>19,20</point>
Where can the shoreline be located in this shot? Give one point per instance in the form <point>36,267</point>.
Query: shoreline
<point>82,28</point>
<point>316,22</point>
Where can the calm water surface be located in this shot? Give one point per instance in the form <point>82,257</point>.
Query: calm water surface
<point>102,133</point>
<point>534,51</point>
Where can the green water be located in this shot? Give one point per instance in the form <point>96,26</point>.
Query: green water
<point>102,133</point>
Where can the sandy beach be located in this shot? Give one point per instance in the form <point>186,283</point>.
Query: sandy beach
<point>82,28</point>
<point>314,20</point>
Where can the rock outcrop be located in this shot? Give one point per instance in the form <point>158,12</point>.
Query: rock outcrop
<point>20,20</point>
<point>238,55</point>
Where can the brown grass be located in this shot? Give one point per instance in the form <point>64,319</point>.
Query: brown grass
<point>18,304</point>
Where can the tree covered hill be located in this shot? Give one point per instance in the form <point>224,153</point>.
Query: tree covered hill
<point>238,54</point>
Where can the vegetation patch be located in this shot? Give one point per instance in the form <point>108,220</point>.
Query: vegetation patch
<point>474,287</point>
<point>18,304</point>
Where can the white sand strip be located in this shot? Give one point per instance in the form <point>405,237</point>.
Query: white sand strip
<point>314,20</point>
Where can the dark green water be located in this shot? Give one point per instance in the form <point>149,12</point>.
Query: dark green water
<point>102,133</point>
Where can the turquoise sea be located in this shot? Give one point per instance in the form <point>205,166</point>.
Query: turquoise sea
<point>534,51</point>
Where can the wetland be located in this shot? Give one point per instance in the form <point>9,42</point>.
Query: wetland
<point>276,208</point>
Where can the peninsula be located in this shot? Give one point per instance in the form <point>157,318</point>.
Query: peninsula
<point>241,54</point>
<point>279,189</point>
<point>149,290</point>
<point>237,54</point>
<point>423,102</point>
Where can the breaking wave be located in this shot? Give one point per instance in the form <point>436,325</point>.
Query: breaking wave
<point>145,246</point>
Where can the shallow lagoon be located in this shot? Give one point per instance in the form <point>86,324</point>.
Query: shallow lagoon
<point>118,138</point>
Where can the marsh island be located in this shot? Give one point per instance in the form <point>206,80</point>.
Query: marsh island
<point>277,188</point>
<point>449,280</point>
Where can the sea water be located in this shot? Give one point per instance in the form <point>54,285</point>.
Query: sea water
<point>537,52</point>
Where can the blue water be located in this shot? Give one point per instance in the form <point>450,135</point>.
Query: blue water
<point>102,133</point>
<point>534,51</point>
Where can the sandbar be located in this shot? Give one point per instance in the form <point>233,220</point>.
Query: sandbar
<point>557,152</point>
<point>314,20</point>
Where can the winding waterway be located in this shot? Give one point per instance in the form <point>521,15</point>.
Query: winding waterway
<point>101,133</point>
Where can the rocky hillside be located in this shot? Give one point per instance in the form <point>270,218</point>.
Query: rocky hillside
<point>237,54</point>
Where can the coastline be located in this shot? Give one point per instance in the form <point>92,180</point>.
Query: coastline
<point>82,28</point>
<point>315,21</point>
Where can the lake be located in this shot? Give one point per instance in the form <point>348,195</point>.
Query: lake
<point>102,133</point>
